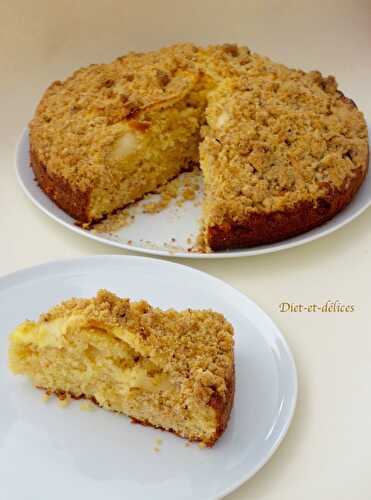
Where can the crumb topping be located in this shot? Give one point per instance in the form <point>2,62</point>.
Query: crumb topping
<point>78,119</point>
<point>195,346</point>
<point>277,137</point>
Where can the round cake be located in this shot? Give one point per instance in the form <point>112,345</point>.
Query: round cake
<point>281,150</point>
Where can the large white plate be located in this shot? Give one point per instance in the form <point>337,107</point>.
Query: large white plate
<point>155,234</point>
<point>49,452</point>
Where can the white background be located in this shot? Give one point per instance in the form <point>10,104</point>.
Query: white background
<point>327,453</point>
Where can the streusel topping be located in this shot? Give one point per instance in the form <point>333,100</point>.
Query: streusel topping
<point>78,120</point>
<point>277,137</point>
<point>191,344</point>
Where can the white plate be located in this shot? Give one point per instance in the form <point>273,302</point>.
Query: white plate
<point>49,452</point>
<point>154,234</point>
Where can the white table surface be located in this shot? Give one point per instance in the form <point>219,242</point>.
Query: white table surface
<point>327,453</point>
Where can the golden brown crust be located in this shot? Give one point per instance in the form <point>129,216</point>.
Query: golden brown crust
<point>223,407</point>
<point>73,201</point>
<point>266,228</point>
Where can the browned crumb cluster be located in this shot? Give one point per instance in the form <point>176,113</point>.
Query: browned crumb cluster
<point>191,187</point>
<point>113,222</point>
<point>182,189</point>
<point>167,193</point>
<point>63,400</point>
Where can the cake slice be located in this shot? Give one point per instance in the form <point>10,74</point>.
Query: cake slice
<point>172,370</point>
<point>111,133</point>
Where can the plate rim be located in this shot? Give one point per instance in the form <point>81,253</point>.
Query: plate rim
<point>287,244</point>
<point>27,273</point>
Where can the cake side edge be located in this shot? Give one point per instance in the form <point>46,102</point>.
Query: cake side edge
<point>267,228</point>
<point>72,201</point>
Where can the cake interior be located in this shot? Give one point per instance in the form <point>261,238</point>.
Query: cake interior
<point>152,148</point>
<point>103,363</point>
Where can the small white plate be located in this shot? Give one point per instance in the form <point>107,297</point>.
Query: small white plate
<point>171,231</point>
<point>50,452</point>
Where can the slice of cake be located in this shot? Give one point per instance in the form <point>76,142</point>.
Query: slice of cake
<point>112,132</point>
<point>172,370</point>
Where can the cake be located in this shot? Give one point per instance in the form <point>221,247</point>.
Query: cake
<point>281,150</point>
<point>168,369</point>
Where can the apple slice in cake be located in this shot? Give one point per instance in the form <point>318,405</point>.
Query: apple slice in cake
<point>172,370</point>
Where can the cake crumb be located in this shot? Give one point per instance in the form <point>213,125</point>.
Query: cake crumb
<point>190,187</point>
<point>183,188</point>
<point>166,193</point>
<point>158,441</point>
<point>63,401</point>
<point>156,449</point>
<point>86,406</point>
<point>45,397</point>
<point>188,444</point>
<point>113,222</point>
<point>189,194</point>
<point>201,445</point>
